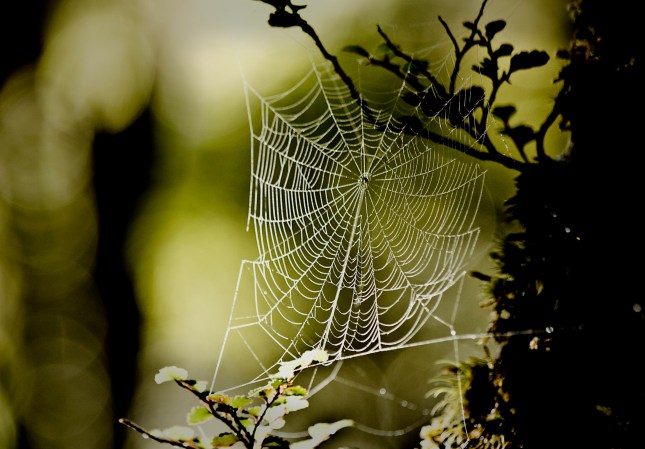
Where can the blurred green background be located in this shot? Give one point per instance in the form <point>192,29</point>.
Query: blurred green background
<point>124,165</point>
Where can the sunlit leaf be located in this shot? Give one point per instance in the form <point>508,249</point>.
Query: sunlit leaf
<point>255,411</point>
<point>285,372</point>
<point>269,392</point>
<point>247,422</point>
<point>295,390</point>
<point>314,355</point>
<point>224,440</point>
<point>324,430</point>
<point>261,433</point>
<point>295,403</point>
<point>275,412</point>
<point>168,373</point>
<point>279,401</point>
<point>321,432</point>
<point>157,433</point>
<point>256,392</point>
<point>241,401</point>
<point>288,368</point>
<point>219,398</point>
<point>277,423</point>
<point>201,386</point>
<point>179,433</point>
<point>198,415</point>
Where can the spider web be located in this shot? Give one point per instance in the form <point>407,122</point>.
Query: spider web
<point>365,231</point>
<point>361,228</point>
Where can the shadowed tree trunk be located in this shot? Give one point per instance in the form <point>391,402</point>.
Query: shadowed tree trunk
<point>572,273</point>
<point>122,164</point>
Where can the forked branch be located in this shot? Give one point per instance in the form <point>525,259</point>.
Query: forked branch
<point>467,108</point>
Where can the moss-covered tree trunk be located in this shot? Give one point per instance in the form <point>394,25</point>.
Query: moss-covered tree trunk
<point>572,275</point>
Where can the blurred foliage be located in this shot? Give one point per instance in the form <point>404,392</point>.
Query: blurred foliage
<point>250,420</point>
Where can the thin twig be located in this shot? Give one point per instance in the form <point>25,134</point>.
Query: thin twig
<point>395,49</point>
<point>294,19</point>
<point>147,434</point>
<point>234,424</point>
<point>548,121</point>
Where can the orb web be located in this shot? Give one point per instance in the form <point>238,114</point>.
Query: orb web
<point>361,227</point>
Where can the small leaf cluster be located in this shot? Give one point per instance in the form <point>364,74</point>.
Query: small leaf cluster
<point>251,418</point>
<point>285,14</point>
<point>463,107</point>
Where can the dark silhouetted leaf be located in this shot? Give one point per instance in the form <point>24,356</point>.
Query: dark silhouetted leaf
<point>276,442</point>
<point>282,4</point>
<point>411,122</point>
<point>356,49</point>
<point>487,68</point>
<point>469,25</point>
<point>283,19</point>
<point>504,50</point>
<point>431,105</point>
<point>278,4</point>
<point>411,98</point>
<point>464,103</point>
<point>521,135</point>
<point>296,8</point>
<point>528,60</point>
<point>471,97</point>
<point>494,27</point>
<point>504,112</point>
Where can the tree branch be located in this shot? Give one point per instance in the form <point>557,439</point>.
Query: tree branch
<point>147,434</point>
<point>395,49</point>
<point>291,18</point>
